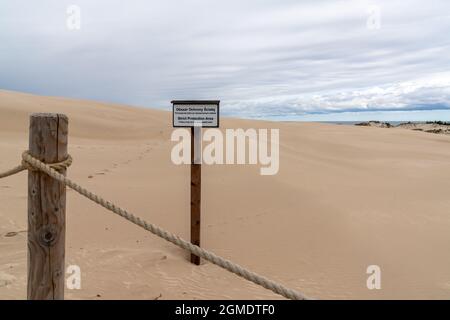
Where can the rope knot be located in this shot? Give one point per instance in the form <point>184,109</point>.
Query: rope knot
<point>30,163</point>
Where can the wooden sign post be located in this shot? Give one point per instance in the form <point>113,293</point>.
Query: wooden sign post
<point>196,114</point>
<point>196,189</point>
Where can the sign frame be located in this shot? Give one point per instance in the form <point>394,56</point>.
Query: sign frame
<point>195,102</point>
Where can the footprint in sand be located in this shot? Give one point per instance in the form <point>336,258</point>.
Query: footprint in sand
<point>91,176</point>
<point>13,233</point>
<point>115,165</point>
<point>6,279</point>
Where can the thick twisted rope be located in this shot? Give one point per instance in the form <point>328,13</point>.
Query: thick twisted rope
<point>205,254</point>
<point>58,166</point>
<point>13,171</point>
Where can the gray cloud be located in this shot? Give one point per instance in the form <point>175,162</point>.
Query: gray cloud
<point>261,58</point>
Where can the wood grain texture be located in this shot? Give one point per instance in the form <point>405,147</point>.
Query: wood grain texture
<point>46,209</point>
<point>196,189</point>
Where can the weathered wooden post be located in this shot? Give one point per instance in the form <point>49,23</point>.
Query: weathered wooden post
<point>196,188</point>
<point>46,209</point>
<point>196,114</point>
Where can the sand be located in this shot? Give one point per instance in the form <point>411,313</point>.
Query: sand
<point>345,197</point>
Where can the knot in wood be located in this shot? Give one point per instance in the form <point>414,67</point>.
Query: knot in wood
<point>48,235</point>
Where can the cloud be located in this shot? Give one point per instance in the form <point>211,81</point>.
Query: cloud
<point>260,58</point>
<point>424,95</point>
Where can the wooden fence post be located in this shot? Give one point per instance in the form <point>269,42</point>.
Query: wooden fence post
<point>196,189</point>
<point>46,209</point>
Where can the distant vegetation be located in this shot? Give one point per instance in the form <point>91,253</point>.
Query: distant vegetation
<point>374,123</point>
<point>438,127</point>
<point>441,123</point>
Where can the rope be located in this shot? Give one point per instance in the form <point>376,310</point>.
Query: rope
<point>58,166</point>
<point>13,171</point>
<point>205,254</point>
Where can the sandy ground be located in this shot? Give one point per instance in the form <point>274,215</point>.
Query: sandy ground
<point>345,197</point>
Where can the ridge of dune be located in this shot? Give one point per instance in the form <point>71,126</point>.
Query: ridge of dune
<point>345,198</point>
<point>89,118</point>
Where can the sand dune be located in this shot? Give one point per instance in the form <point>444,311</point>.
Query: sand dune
<point>436,127</point>
<point>345,197</point>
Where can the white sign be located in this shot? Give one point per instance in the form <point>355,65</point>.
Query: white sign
<point>196,113</point>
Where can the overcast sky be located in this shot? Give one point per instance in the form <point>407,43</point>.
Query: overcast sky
<point>318,59</point>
